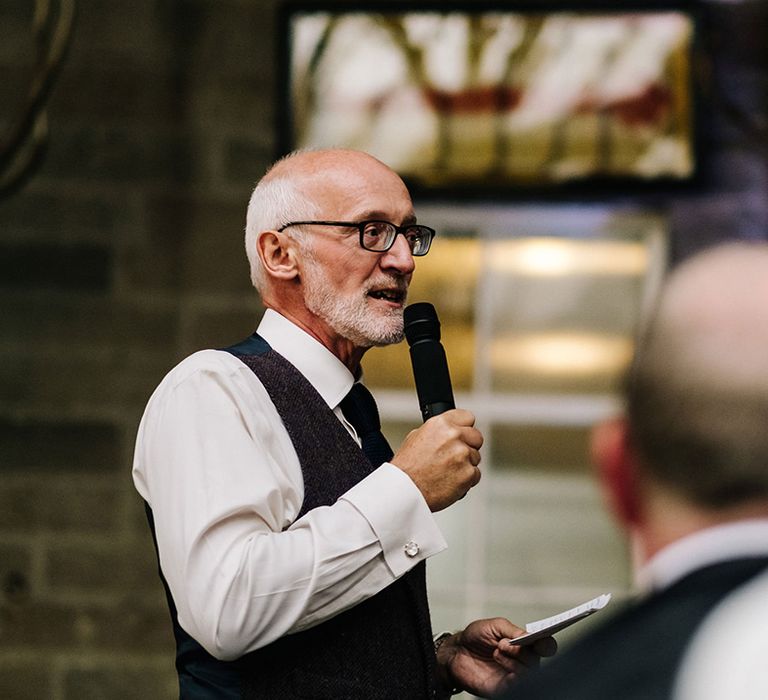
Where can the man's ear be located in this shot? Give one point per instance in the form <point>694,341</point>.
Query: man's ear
<point>277,254</point>
<point>616,466</point>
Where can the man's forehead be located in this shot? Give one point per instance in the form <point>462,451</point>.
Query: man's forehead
<point>347,171</point>
<point>369,193</point>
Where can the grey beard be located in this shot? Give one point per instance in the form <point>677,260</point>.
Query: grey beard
<point>352,319</point>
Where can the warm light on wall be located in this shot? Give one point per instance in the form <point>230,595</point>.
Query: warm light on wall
<point>541,313</point>
<point>556,256</point>
<point>566,354</point>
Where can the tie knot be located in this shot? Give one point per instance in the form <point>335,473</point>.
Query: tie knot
<point>359,408</point>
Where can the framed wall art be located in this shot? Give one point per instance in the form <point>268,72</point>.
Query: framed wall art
<point>476,98</point>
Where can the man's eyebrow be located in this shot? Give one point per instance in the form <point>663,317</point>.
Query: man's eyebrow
<point>380,216</point>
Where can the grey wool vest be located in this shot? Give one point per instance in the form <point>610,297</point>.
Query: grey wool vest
<point>382,648</point>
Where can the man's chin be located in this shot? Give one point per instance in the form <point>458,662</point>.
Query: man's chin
<point>379,335</point>
<point>384,328</point>
<point>366,326</point>
<point>393,339</point>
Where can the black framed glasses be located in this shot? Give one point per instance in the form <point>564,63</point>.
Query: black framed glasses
<point>379,236</point>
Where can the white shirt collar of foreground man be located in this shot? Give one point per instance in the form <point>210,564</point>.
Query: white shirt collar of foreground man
<point>745,538</point>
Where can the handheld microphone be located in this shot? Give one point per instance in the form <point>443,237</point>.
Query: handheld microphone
<point>430,366</point>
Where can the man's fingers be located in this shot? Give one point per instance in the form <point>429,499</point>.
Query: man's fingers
<point>526,656</point>
<point>461,416</point>
<point>472,437</point>
<point>457,416</point>
<point>546,646</point>
<point>530,655</point>
<point>509,663</point>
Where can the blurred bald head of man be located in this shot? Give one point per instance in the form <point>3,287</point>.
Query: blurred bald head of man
<point>691,450</point>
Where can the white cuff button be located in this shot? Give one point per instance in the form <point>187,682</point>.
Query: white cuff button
<point>411,548</point>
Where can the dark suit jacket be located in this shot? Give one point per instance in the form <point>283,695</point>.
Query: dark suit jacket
<point>635,654</point>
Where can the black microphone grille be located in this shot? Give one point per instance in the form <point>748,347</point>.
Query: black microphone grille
<point>421,322</point>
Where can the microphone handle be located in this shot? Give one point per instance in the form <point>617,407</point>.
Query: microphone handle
<point>433,381</point>
<point>435,409</point>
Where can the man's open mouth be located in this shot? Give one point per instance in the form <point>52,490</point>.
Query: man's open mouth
<point>396,296</point>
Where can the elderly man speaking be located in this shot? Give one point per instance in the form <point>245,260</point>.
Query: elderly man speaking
<point>291,540</point>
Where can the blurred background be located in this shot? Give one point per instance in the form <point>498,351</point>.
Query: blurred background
<point>131,135</point>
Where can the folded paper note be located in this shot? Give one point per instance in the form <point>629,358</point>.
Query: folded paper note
<point>549,625</point>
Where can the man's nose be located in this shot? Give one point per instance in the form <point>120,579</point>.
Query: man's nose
<point>399,256</point>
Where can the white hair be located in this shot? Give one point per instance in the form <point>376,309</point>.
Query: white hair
<point>276,201</point>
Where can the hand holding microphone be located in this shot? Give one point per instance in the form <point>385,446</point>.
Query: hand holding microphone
<point>441,456</point>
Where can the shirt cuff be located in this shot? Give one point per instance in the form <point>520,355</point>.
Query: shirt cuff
<point>398,514</point>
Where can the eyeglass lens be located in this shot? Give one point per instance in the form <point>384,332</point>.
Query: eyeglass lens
<point>380,235</point>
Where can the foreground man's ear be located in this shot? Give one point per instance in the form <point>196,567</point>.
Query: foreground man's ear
<point>616,467</point>
<point>277,254</point>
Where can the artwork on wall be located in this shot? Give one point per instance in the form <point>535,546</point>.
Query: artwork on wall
<point>471,98</point>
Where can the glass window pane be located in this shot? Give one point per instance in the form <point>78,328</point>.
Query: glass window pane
<point>447,277</point>
<point>540,447</point>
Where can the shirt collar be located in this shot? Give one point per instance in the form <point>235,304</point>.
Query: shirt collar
<point>326,372</point>
<point>745,538</point>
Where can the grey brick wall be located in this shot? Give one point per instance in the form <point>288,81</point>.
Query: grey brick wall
<point>160,123</point>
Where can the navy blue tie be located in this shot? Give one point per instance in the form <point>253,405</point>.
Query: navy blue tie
<point>359,408</point>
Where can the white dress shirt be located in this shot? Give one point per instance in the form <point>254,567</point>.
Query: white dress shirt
<point>218,469</point>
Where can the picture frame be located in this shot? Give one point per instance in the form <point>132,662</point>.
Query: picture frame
<point>475,99</point>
